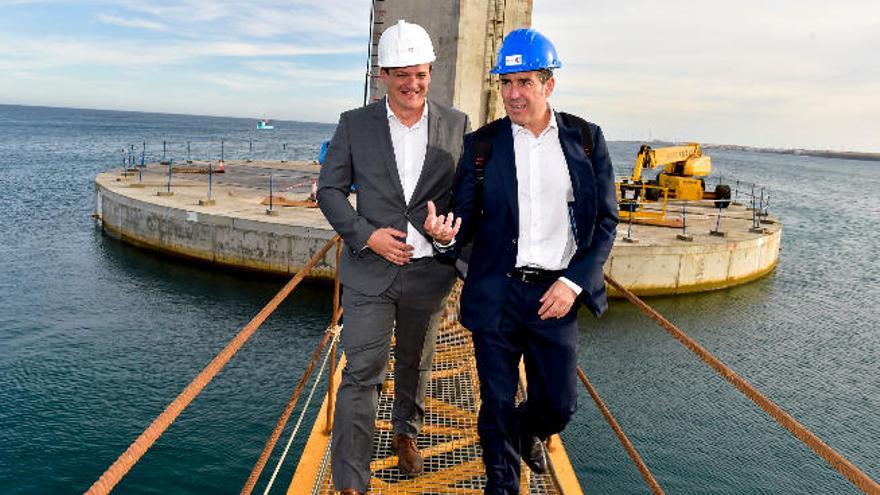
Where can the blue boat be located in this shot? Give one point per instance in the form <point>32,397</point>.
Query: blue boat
<point>263,124</point>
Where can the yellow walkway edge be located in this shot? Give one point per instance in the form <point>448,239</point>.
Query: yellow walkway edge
<point>448,442</point>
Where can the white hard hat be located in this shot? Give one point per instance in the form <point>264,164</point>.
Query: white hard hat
<point>405,44</point>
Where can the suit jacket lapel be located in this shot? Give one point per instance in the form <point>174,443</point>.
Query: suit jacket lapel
<point>580,170</point>
<point>570,139</point>
<point>383,139</point>
<point>435,135</point>
<point>504,160</point>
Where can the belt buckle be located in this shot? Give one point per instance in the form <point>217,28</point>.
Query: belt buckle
<point>525,275</point>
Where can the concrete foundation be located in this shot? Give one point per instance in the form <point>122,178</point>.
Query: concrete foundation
<point>662,264</point>
<point>236,232</point>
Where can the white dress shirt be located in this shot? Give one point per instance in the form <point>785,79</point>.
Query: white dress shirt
<point>410,144</point>
<point>544,190</point>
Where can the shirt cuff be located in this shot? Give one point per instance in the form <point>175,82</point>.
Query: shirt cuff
<point>444,247</point>
<point>571,285</point>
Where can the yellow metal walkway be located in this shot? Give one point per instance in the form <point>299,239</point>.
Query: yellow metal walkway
<point>448,441</point>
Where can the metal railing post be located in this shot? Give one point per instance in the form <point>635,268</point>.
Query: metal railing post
<point>684,236</point>
<point>331,378</point>
<point>167,191</point>
<point>271,211</point>
<point>629,229</point>
<point>754,209</point>
<point>756,223</point>
<point>210,201</point>
<point>717,232</point>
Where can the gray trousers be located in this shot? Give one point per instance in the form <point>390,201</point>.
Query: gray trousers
<point>411,309</point>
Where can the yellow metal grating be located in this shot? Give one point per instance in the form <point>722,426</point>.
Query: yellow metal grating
<point>448,441</point>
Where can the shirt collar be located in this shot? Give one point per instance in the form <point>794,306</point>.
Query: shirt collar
<point>550,125</point>
<point>391,115</point>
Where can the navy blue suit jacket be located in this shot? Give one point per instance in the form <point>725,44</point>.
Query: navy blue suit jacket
<point>494,230</point>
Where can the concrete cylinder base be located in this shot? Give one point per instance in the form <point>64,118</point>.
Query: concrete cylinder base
<point>240,234</point>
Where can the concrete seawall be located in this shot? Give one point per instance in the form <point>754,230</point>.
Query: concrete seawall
<point>237,232</point>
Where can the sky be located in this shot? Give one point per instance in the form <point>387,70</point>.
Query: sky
<point>787,73</point>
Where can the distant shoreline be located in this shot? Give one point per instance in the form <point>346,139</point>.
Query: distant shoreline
<point>846,155</point>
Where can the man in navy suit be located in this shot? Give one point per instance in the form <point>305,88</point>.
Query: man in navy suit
<point>541,211</point>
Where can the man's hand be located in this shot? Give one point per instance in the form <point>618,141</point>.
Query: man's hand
<point>385,243</point>
<point>557,301</point>
<point>442,228</point>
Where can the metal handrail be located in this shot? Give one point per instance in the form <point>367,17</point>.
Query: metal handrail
<point>123,464</point>
<point>291,404</point>
<point>856,476</point>
<point>627,445</point>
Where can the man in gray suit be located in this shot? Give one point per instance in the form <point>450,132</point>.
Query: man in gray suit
<point>400,153</point>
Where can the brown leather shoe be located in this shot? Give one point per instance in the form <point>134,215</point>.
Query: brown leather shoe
<point>408,458</point>
<point>350,491</point>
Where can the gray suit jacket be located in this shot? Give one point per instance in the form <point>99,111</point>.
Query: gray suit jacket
<point>361,153</point>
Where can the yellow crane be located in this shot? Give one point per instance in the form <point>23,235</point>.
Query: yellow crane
<point>681,178</point>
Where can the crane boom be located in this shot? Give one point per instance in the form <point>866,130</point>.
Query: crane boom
<point>652,158</point>
<point>684,167</point>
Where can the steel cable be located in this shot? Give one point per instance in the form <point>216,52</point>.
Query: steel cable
<point>335,331</point>
<point>139,447</point>
<point>832,457</point>
<point>285,416</point>
<point>627,445</point>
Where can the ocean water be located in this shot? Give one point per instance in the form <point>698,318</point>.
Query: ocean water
<point>97,337</point>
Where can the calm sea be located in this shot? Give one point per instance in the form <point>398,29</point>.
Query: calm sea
<point>97,337</point>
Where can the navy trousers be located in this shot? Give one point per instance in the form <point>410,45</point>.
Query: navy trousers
<point>549,351</point>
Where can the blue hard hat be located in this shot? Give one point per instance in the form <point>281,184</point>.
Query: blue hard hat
<point>525,50</point>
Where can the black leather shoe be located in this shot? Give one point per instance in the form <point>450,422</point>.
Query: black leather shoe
<point>532,451</point>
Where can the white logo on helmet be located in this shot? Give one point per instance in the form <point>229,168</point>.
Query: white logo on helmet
<point>513,59</point>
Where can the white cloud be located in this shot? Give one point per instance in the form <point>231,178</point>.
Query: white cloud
<point>749,72</point>
<point>746,72</point>
<point>56,52</point>
<point>254,49</point>
<point>244,83</point>
<point>129,22</point>
<point>328,20</point>
<point>298,72</point>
